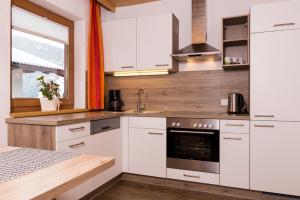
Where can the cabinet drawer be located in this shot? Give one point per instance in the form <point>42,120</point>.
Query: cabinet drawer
<point>147,122</point>
<point>234,126</point>
<point>69,132</point>
<point>287,16</point>
<point>78,145</point>
<point>199,177</point>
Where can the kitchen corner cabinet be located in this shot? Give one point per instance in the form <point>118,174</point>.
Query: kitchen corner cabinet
<point>234,154</point>
<point>147,146</point>
<point>275,157</point>
<point>144,43</point>
<point>119,41</point>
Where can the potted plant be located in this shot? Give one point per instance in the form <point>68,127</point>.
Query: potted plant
<point>50,95</point>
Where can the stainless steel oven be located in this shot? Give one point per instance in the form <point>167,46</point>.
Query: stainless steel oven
<point>193,144</point>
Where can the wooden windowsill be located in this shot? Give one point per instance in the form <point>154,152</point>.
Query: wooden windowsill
<point>40,113</point>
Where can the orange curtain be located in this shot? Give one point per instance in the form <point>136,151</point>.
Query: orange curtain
<point>95,59</point>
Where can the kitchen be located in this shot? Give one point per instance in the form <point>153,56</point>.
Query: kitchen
<point>188,105</point>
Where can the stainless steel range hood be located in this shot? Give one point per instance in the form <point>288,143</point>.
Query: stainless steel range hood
<point>199,50</point>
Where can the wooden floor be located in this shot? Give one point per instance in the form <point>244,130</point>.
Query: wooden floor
<point>127,190</point>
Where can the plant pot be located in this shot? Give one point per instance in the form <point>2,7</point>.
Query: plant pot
<point>49,105</point>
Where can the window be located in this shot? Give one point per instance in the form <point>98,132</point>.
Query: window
<point>42,45</point>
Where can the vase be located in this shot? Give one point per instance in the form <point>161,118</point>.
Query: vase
<point>49,105</point>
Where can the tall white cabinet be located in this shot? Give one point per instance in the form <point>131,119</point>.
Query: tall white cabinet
<point>274,92</point>
<point>143,43</point>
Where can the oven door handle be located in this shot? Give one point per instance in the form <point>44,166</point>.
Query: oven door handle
<point>195,132</point>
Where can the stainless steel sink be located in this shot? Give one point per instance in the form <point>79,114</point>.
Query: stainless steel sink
<point>144,112</point>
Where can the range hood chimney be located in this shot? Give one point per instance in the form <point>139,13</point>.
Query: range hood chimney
<point>199,50</point>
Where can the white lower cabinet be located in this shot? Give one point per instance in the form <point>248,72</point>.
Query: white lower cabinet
<point>77,145</point>
<point>234,153</point>
<point>274,157</point>
<point>108,143</point>
<point>234,160</point>
<point>147,152</point>
<point>193,176</point>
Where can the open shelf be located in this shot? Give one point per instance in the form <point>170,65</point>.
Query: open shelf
<point>236,41</point>
<point>236,66</point>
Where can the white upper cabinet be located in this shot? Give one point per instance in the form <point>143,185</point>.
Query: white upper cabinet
<point>119,40</point>
<point>275,16</point>
<point>274,157</point>
<point>274,76</point>
<point>143,43</point>
<point>155,42</point>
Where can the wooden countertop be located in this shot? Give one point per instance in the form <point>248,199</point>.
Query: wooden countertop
<point>58,120</point>
<point>50,182</point>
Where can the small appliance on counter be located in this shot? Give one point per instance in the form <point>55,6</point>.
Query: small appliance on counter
<point>236,104</point>
<point>114,101</point>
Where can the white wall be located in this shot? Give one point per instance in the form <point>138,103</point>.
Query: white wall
<point>216,10</point>
<point>77,10</point>
<point>4,67</point>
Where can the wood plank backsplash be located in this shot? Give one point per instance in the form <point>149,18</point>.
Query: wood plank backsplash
<point>199,91</point>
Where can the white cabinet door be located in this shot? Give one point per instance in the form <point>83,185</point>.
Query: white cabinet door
<point>109,144</point>
<point>154,42</point>
<point>119,39</point>
<point>147,152</point>
<point>274,76</point>
<point>274,157</point>
<point>234,160</point>
<point>275,16</point>
<point>78,145</point>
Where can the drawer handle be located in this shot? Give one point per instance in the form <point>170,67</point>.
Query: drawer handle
<point>190,176</point>
<point>162,65</point>
<point>264,126</point>
<point>127,67</point>
<point>284,24</point>
<point>235,125</point>
<point>264,116</point>
<point>74,146</point>
<point>77,129</point>
<point>151,133</point>
<point>231,138</point>
<point>105,127</point>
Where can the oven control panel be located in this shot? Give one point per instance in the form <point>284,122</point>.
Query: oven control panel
<point>212,124</point>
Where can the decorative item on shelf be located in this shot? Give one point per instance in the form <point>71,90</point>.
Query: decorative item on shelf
<point>50,95</point>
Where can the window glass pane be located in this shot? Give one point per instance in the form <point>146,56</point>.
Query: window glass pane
<point>32,57</point>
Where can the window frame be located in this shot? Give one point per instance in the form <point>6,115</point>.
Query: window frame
<point>33,104</point>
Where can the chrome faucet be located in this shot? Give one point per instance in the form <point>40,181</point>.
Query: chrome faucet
<point>139,106</point>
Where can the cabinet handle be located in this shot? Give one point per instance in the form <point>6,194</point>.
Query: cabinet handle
<point>231,138</point>
<point>105,127</point>
<point>162,65</point>
<point>284,24</point>
<point>264,116</point>
<point>235,125</point>
<point>81,128</point>
<point>190,176</point>
<point>127,67</point>
<point>74,146</point>
<point>151,133</point>
<point>264,126</point>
